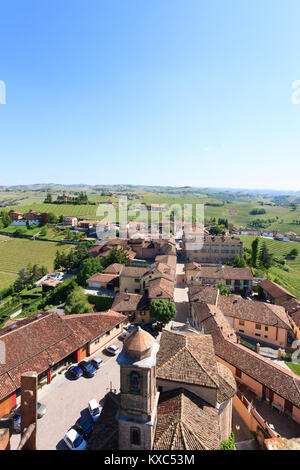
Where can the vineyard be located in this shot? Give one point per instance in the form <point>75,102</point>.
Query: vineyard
<point>17,253</point>
<point>289,274</point>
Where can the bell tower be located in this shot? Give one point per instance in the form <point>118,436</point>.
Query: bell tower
<point>139,395</point>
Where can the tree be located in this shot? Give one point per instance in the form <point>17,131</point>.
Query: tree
<point>53,219</point>
<point>116,255</point>
<point>48,199</point>
<point>223,289</point>
<point>88,267</point>
<point>5,218</point>
<point>77,302</point>
<point>255,255</point>
<point>239,262</point>
<point>22,279</point>
<point>294,253</point>
<point>265,257</point>
<point>228,444</point>
<point>163,311</point>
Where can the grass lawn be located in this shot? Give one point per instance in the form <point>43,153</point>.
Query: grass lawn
<point>294,367</point>
<point>16,253</point>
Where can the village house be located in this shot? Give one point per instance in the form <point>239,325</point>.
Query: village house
<point>135,306</point>
<point>236,279</point>
<point>48,343</point>
<point>213,249</point>
<point>70,221</point>
<point>268,381</point>
<point>275,293</point>
<point>15,216</point>
<point>157,280</point>
<point>264,322</point>
<point>165,404</point>
<point>108,280</point>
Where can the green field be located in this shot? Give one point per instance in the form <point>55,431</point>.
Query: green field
<point>235,206</point>
<point>16,253</point>
<point>290,279</point>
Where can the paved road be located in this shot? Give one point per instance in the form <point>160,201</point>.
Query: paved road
<point>66,400</point>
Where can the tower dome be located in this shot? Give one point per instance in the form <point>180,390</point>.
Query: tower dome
<point>138,344</point>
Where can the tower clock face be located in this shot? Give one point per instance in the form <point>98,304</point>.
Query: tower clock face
<point>134,382</point>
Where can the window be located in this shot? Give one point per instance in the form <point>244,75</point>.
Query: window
<point>134,382</point>
<point>257,326</point>
<point>135,436</point>
<point>242,331</point>
<point>266,328</point>
<point>241,322</point>
<point>257,334</point>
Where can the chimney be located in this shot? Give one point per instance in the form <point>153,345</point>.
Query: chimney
<point>29,406</point>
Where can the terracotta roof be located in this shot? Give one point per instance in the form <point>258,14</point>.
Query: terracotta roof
<point>281,381</point>
<point>93,325</point>
<point>207,294</point>
<point>220,272</point>
<point>212,321</point>
<point>291,306</point>
<point>258,312</point>
<point>273,289</point>
<point>170,260</point>
<point>187,359</point>
<point>161,289</point>
<point>127,302</point>
<point>103,277</point>
<point>296,318</point>
<point>114,268</point>
<point>35,343</point>
<point>134,271</point>
<point>138,344</point>
<point>185,422</point>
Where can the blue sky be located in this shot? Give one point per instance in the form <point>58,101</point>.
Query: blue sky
<point>158,92</point>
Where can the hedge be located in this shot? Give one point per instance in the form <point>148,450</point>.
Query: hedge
<point>102,303</point>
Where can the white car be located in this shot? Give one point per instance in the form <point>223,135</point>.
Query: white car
<point>112,350</point>
<point>74,441</point>
<point>94,409</point>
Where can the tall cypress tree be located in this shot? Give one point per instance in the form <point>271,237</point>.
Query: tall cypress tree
<point>255,257</point>
<point>265,257</point>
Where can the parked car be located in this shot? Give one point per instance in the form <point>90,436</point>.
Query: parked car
<point>74,441</point>
<point>96,362</point>
<point>123,335</point>
<point>75,372</point>
<point>84,427</point>
<point>94,409</point>
<point>41,410</point>
<point>16,423</point>
<point>113,349</point>
<point>88,369</point>
<point>16,417</point>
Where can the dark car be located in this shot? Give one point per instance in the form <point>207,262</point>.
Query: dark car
<point>84,427</point>
<point>88,369</point>
<point>75,372</point>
